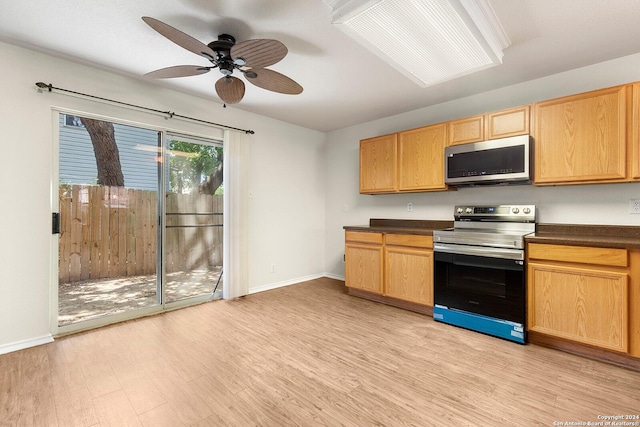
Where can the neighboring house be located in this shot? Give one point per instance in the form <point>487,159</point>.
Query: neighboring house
<point>137,147</point>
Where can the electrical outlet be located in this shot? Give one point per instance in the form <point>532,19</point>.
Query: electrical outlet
<point>634,206</point>
<point>273,268</point>
<point>409,207</point>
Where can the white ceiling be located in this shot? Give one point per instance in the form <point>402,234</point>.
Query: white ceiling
<point>344,84</point>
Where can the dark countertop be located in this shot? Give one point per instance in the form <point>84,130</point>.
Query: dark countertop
<point>603,236</point>
<point>401,226</point>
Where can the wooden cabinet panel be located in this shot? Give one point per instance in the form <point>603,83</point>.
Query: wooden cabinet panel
<point>363,267</point>
<point>581,138</point>
<point>401,268</point>
<point>583,305</point>
<point>505,123</point>
<point>579,254</point>
<point>378,159</point>
<point>421,158</point>
<point>409,274</point>
<point>413,240</point>
<point>363,237</point>
<point>464,131</point>
<point>634,303</point>
<point>635,133</point>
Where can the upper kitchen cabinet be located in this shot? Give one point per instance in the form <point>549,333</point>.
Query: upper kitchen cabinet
<point>467,130</point>
<point>378,164</point>
<point>498,124</point>
<point>635,133</point>
<point>421,158</point>
<point>582,138</point>
<point>506,123</point>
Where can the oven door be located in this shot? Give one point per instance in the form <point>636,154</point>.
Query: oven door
<point>485,281</point>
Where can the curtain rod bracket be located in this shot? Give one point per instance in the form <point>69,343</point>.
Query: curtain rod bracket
<point>44,86</point>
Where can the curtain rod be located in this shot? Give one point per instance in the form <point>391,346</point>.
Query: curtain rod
<point>170,114</point>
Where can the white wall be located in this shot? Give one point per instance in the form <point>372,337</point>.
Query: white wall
<point>286,213</point>
<point>583,204</point>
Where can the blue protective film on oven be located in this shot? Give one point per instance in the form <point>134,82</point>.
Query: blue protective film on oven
<point>498,328</point>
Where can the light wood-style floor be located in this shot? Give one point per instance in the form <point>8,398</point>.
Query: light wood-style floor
<point>304,355</point>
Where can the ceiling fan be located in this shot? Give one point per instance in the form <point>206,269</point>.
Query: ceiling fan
<point>249,57</point>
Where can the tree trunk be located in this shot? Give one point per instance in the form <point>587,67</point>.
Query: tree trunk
<point>211,184</point>
<point>106,150</point>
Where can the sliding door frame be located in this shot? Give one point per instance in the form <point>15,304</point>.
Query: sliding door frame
<point>161,306</point>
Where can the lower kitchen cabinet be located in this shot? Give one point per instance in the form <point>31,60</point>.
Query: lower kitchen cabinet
<point>390,268</point>
<point>364,261</point>
<point>579,294</point>
<point>409,269</point>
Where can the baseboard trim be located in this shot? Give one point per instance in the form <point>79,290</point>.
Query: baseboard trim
<point>276,285</point>
<point>334,276</point>
<point>21,345</point>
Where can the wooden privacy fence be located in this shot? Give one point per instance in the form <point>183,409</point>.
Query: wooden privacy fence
<point>109,232</point>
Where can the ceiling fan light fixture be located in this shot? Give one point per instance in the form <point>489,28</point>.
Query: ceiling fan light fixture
<point>430,41</point>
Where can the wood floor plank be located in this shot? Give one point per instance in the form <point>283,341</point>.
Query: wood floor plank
<point>114,409</point>
<point>303,355</point>
<point>74,407</point>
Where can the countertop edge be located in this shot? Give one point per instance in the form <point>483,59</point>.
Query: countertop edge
<point>603,236</point>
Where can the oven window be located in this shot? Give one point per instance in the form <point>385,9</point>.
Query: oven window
<point>478,281</point>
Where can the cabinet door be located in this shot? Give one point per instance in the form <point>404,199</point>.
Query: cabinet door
<point>581,138</point>
<point>464,131</point>
<point>409,274</point>
<point>589,306</point>
<point>635,133</point>
<point>505,123</point>
<point>421,158</point>
<point>363,267</point>
<point>378,164</point>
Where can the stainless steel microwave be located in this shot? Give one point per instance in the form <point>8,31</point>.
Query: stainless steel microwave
<point>498,161</point>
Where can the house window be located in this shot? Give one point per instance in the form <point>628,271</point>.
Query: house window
<point>73,121</point>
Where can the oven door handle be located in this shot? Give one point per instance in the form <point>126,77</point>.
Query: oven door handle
<point>503,253</point>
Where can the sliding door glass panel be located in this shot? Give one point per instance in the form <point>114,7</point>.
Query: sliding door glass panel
<point>192,256</point>
<point>108,181</point>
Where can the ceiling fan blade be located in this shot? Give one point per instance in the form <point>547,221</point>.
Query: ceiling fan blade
<point>180,38</point>
<point>273,81</point>
<point>259,53</point>
<point>177,71</point>
<point>230,89</point>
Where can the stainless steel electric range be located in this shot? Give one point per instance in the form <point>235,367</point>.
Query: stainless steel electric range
<point>479,270</point>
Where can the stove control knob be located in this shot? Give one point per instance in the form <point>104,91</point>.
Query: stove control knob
<point>515,210</point>
<point>526,211</point>
<point>460,210</point>
<point>469,210</point>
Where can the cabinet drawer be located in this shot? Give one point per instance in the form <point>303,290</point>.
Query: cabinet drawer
<point>363,237</point>
<point>413,240</point>
<point>579,254</point>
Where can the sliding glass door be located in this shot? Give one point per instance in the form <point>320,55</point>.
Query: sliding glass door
<point>193,233</point>
<point>108,180</point>
<point>122,250</point>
